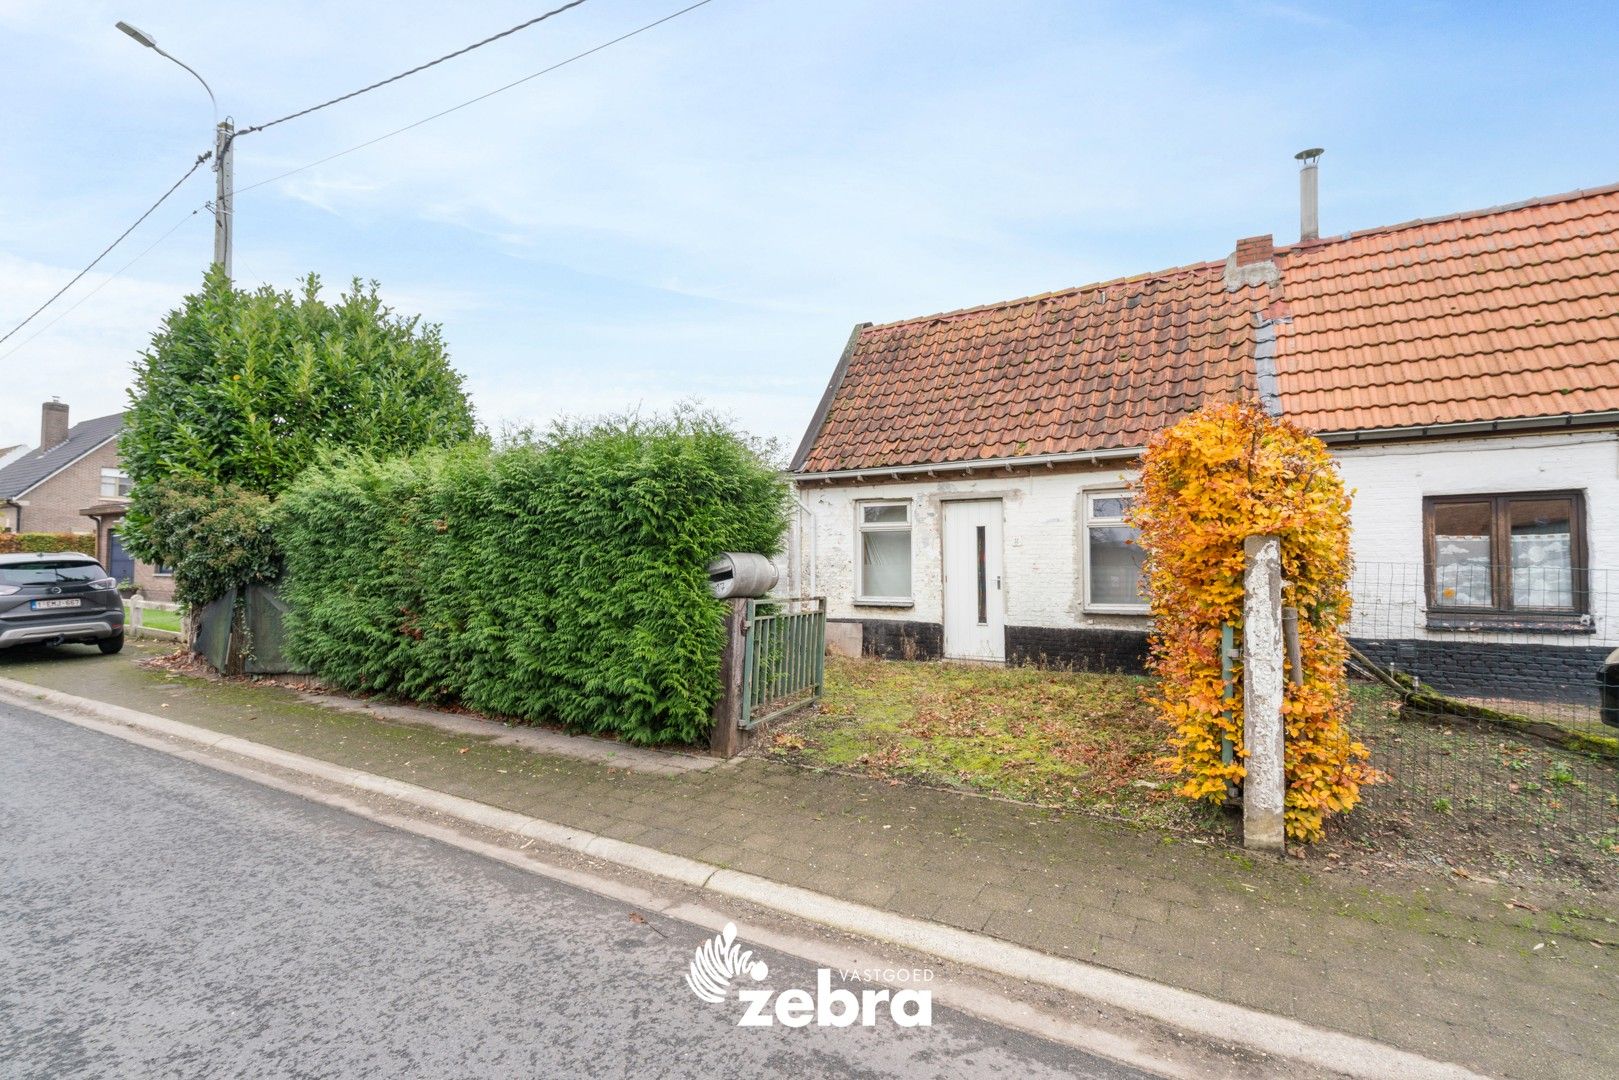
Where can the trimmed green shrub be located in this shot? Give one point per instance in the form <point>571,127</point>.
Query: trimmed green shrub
<point>12,543</point>
<point>561,579</point>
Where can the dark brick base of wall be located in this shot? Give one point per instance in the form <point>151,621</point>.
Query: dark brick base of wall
<point>1516,672</point>
<point>896,639</point>
<point>1079,648</point>
<point>1086,649</point>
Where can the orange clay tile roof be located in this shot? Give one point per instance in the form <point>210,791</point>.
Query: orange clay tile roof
<point>1505,313</point>
<point>1499,314</point>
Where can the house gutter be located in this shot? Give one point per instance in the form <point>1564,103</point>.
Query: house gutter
<point>895,472</point>
<point>1564,422</point>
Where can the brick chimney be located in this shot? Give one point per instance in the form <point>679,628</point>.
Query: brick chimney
<point>1255,249</point>
<point>1252,263</point>
<point>52,423</point>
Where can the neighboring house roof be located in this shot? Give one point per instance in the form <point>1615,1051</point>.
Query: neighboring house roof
<point>34,469</point>
<point>1504,313</point>
<point>1509,313</point>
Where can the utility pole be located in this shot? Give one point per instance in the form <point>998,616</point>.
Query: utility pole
<point>224,141</point>
<point>224,144</point>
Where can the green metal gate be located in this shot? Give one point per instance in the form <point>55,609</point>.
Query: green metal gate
<point>784,665</point>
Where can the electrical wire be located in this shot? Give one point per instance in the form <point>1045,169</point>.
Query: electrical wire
<point>472,101</point>
<point>110,278</point>
<point>412,71</point>
<point>195,165</point>
<point>201,158</point>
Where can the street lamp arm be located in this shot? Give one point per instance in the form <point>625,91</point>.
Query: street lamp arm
<point>214,101</point>
<point>141,37</point>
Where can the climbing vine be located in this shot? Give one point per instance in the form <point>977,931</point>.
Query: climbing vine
<point>1227,472</point>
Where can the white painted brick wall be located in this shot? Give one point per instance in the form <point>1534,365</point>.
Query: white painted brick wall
<point>1043,511</point>
<point>1042,557</point>
<point>1389,484</point>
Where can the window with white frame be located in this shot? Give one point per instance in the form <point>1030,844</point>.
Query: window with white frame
<point>1113,554</point>
<point>885,552</point>
<point>114,483</point>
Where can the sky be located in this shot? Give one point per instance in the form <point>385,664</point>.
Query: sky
<point>704,211</point>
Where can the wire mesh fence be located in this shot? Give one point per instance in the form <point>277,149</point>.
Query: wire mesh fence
<point>1478,693</point>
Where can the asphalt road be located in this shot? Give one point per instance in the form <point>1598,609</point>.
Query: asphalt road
<point>158,918</point>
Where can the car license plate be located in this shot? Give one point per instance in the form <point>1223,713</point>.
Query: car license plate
<point>41,605</point>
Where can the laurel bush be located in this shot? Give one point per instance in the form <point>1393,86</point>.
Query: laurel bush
<point>217,537</point>
<point>558,579</point>
<point>242,390</point>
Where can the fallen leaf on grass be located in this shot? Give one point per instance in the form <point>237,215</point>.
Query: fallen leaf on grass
<point>463,749</point>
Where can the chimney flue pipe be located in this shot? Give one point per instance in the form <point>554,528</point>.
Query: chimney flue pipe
<point>1309,198</point>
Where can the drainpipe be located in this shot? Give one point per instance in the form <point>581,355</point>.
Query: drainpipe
<point>1309,197</point>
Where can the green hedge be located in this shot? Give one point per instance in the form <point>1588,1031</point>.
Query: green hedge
<point>11,543</point>
<point>562,579</point>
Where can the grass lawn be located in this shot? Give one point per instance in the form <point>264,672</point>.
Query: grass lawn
<point>1056,738</point>
<point>157,620</point>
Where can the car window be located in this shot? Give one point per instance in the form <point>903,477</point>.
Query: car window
<point>50,572</point>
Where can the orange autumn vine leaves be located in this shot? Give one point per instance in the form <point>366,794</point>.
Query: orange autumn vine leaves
<point>1227,472</point>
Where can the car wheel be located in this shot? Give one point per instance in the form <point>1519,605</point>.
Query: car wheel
<point>111,645</point>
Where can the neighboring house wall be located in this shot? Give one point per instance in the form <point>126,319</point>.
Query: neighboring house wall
<point>1390,482</point>
<point>54,504</point>
<point>1390,620</point>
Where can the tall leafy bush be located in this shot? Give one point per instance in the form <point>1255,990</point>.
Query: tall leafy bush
<point>240,391</point>
<point>1223,474</point>
<point>559,579</point>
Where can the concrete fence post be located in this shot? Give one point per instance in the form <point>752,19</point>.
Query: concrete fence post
<point>1264,785</point>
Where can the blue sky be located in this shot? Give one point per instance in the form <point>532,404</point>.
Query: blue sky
<point>706,210</point>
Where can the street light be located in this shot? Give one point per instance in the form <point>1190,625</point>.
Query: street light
<point>224,132</point>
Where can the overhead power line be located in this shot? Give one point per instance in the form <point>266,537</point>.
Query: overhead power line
<point>406,74</point>
<point>195,165</point>
<point>473,101</point>
<point>201,158</point>
<point>108,280</point>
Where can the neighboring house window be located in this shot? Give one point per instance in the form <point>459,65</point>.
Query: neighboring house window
<point>885,552</point>
<point>114,482</point>
<point>163,571</point>
<point>1113,554</point>
<point>1506,554</point>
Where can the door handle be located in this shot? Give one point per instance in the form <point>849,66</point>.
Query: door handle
<point>997,583</point>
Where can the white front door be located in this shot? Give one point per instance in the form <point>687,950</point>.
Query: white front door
<point>974,611</point>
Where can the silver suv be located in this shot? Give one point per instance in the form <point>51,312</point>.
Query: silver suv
<point>52,599</point>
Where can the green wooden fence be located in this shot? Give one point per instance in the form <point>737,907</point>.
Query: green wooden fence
<point>784,666</point>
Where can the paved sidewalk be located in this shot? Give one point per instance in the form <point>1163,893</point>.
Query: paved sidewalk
<point>1445,968</point>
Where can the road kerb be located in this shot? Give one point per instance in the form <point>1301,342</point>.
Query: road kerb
<point>1279,1036</point>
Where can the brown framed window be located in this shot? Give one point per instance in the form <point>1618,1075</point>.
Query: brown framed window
<point>1507,557</point>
